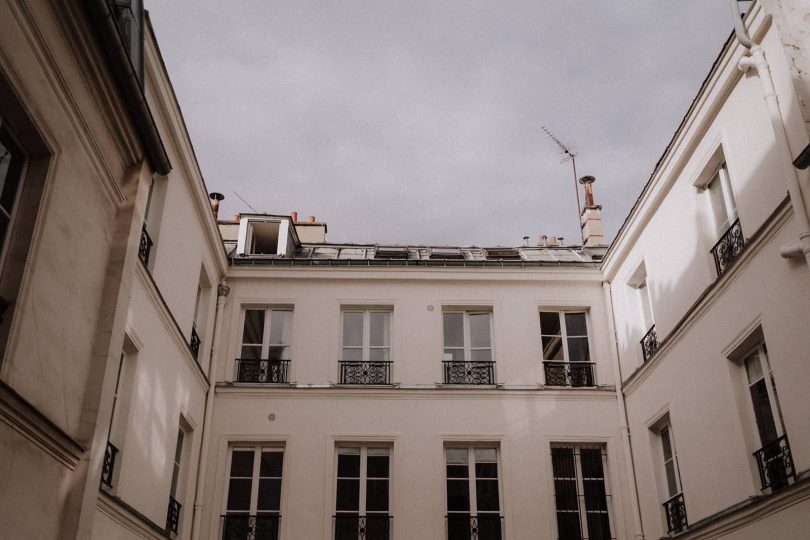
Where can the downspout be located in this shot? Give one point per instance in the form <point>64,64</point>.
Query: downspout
<point>222,293</point>
<point>758,62</point>
<point>638,531</point>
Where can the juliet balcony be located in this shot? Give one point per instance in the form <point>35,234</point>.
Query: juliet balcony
<point>649,343</point>
<point>675,510</point>
<point>461,372</point>
<point>262,371</point>
<point>250,527</point>
<point>728,248</point>
<point>368,527</point>
<point>775,464</point>
<point>573,374</point>
<point>480,527</point>
<point>353,372</point>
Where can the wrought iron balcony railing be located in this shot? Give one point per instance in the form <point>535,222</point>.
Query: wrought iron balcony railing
<point>675,509</point>
<point>368,527</point>
<point>365,372</point>
<point>250,527</point>
<point>262,371</point>
<point>574,374</point>
<point>194,342</point>
<point>173,515</point>
<point>108,466</point>
<point>460,372</point>
<point>480,527</point>
<point>145,246</point>
<point>649,343</point>
<point>775,464</point>
<point>728,248</point>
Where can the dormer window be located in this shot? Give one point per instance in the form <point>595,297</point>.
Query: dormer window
<point>503,253</point>
<point>447,253</point>
<point>391,253</point>
<point>265,236</point>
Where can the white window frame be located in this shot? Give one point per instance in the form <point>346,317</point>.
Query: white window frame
<point>665,432</point>
<point>473,491</point>
<point>767,375</point>
<point>468,348</point>
<point>257,449</point>
<point>366,347</point>
<point>268,321</point>
<point>564,333</point>
<point>362,493</point>
<point>721,175</point>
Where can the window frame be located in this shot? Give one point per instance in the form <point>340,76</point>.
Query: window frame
<point>366,346</point>
<point>363,478</point>
<point>665,433</point>
<point>468,348</point>
<point>21,173</point>
<point>760,349</point>
<point>726,194</point>
<point>564,333</point>
<point>257,449</point>
<point>472,478</point>
<point>266,330</point>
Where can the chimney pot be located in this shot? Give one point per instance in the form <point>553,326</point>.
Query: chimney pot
<point>311,219</point>
<point>552,240</point>
<point>235,217</point>
<point>215,198</point>
<point>543,240</point>
<point>294,216</point>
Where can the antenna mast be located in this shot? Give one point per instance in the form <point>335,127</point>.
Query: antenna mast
<point>568,153</point>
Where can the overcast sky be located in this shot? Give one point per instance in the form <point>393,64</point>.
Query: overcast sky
<point>418,122</point>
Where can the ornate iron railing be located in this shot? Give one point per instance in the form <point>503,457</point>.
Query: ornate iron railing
<point>649,343</point>
<point>460,372</point>
<point>108,466</point>
<point>365,372</point>
<point>574,374</point>
<point>728,248</point>
<point>368,527</point>
<point>675,509</point>
<point>775,463</point>
<point>173,515</point>
<point>262,371</point>
<point>194,342</point>
<point>248,527</point>
<point>145,246</point>
<point>480,527</point>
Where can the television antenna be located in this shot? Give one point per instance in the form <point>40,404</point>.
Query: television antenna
<point>568,151</point>
<point>244,201</point>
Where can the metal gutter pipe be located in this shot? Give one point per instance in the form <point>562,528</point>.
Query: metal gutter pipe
<point>222,293</point>
<point>758,62</point>
<point>129,85</point>
<point>638,531</point>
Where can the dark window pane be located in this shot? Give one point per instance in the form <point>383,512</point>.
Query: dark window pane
<point>458,527</point>
<point>376,495</point>
<point>346,527</point>
<point>458,495</point>
<point>486,470</point>
<point>266,528</point>
<point>239,494</point>
<point>269,494</point>
<point>11,161</point>
<point>254,326</point>
<point>565,494</point>
<point>457,471</point>
<point>377,527</point>
<point>562,460</point>
<point>578,350</point>
<point>487,495</point>
<point>552,348</point>
<point>763,412</point>
<point>377,467</point>
<point>598,526</point>
<point>251,352</point>
<point>666,444</point>
<point>349,465</point>
<point>575,324</point>
<point>595,498</point>
<point>568,527</point>
<point>271,464</point>
<point>550,323</point>
<point>453,329</point>
<point>348,495</point>
<point>280,327</point>
<point>591,460</point>
<point>489,527</point>
<point>242,463</point>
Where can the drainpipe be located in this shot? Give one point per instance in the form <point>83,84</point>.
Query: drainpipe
<point>758,62</point>
<point>638,531</point>
<point>222,293</point>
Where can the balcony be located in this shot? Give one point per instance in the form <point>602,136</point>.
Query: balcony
<point>173,515</point>
<point>108,466</point>
<point>480,527</point>
<point>365,372</point>
<point>728,248</point>
<point>262,371</point>
<point>145,246</point>
<point>649,344</point>
<point>369,527</point>
<point>247,527</point>
<point>573,374</point>
<point>460,372</point>
<point>675,510</point>
<point>775,464</point>
<point>194,342</point>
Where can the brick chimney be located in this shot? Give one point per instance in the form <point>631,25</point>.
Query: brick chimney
<point>591,219</point>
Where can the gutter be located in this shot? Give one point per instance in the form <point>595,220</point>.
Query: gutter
<point>129,84</point>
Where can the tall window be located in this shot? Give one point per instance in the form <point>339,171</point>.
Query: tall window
<point>265,351</point>
<point>566,352</point>
<point>118,419</point>
<point>253,507</point>
<point>366,347</point>
<point>175,493</point>
<point>580,492</point>
<point>674,507</point>
<point>473,493</point>
<point>361,503</point>
<point>12,161</point>
<point>468,347</point>
<point>724,208</point>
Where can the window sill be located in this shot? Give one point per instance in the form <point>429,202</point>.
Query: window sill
<point>451,386</point>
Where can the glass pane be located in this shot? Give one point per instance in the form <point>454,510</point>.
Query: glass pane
<point>10,167</point>
<point>595,497</point>
<point>457,471</point>
<point>269,494</point>
<point>458,495</point>
<point>763,413</point>
<point>550,323</point>
<point>376,495</point>
<point>486,470</point>
<point>349,465</point>
<point>599,526</point>
<point>575,324</point>
<point>487,495</point>
<point>753,367</point>
<point>489,527</point>
<point>277,352</point>
<point>479,330</point>
<point>377,451</point>
<point>665,443</point>
<point>453,329</point>
<point>242,463</point>
<point>251,352</point>
<point>565,494</point>
<point>352,355</point>
<point>380,330</point>
<point>239,493</point>
<point>568,526</point>
<point>489,455</point>
<point>379,355</point>
<point>254,326</point>
<point>591,461</point>
<point>562,460</point>
<point>718,204</point>
<point>377,466</point>
<point>578,350</point>
<point>456,456</point>
<point>672,482</point>
<point>280,327</point>
<point>458,527</point>
<point>552,348</point>
<point>271,464</point>
<point>348,495</point>
<point>353,328</point>
<point>453,355</point>
<point>481,355</point>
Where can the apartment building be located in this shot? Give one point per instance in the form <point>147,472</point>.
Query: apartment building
<point>166,374</point>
